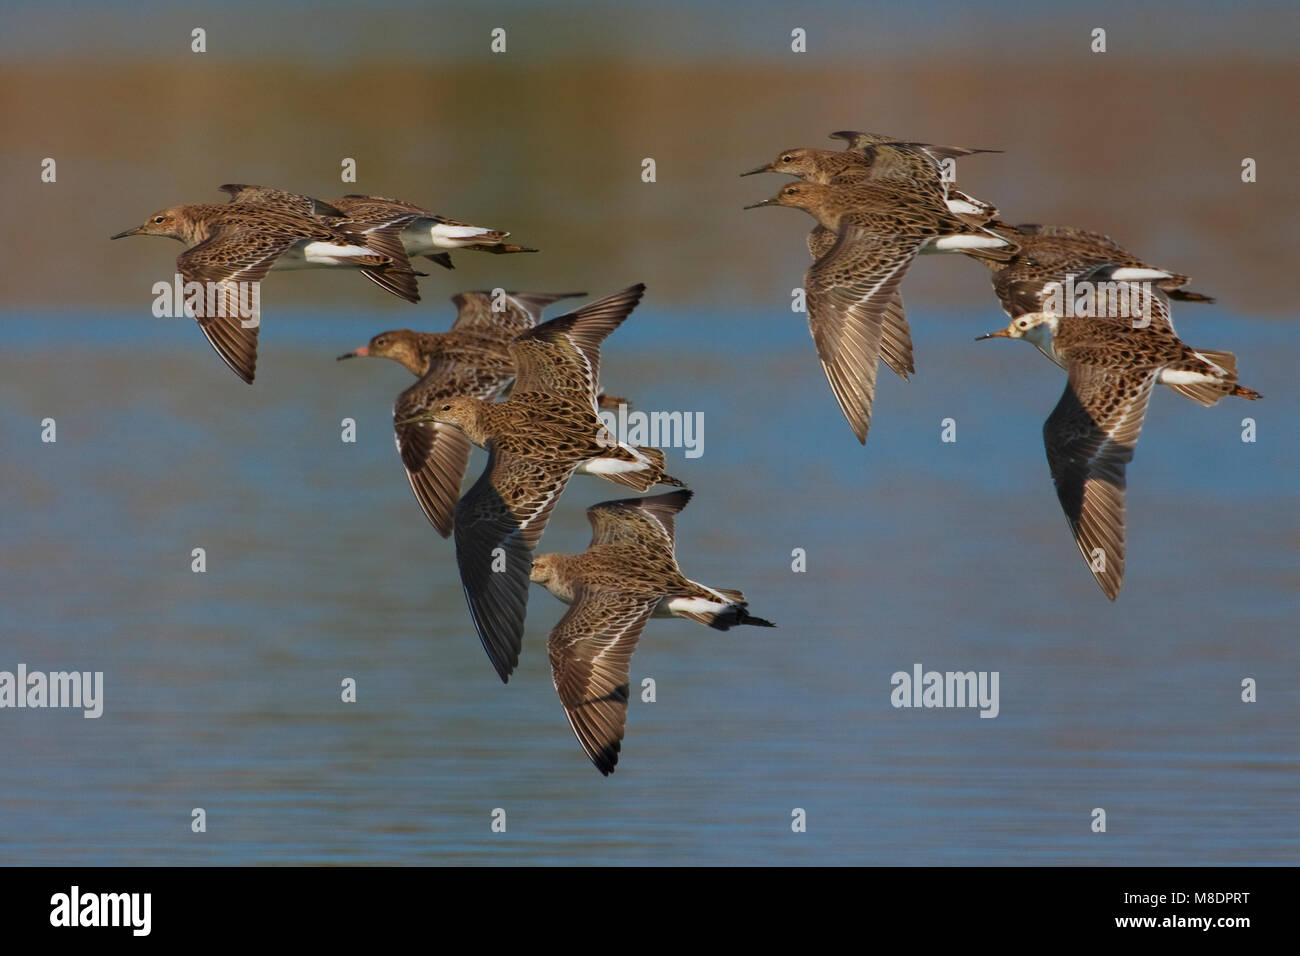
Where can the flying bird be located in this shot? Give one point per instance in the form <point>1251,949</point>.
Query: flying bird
<point>627,575</point>
<point>472,358</point>
<point>231,248</point>
<point>852,290</point>
<point>1091,435</point>
<point>537,439</point>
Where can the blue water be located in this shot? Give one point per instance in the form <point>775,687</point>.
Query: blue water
<point>223,689</point>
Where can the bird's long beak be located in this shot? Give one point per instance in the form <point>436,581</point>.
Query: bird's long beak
<point>355,353</point>
<point>765,202</point>
<point>759,169</point>
<point>417,420</point>
<point>126,232</point>
<point>999,334</point>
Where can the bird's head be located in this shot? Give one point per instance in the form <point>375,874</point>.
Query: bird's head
<point>398,345</point>
<point>799,162</point>
<point>1036,327</point>
<point>169,222</point>
<point>543,570</point>
<point>462,413</point>
<point>796,195</point>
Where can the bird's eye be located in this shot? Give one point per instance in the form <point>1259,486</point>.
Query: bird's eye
<point>791,191</point>
<point>157,218</point>
<point>787,159</point>
<point>446,408</point>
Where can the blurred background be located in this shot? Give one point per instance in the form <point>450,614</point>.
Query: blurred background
<point>1144,141</point>
<point>222,688</point>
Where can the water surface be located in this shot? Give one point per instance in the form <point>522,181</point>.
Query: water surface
<point>223,688</point>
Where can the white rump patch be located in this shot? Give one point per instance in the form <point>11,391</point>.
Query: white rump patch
<point>317,255</point>
<point>456,232</point>
<point>1134,274</point>
<point>610,466</point>
<point>330,254</point>
<point>442,236</point>
<point>962,206</point>
<point>967,242</point>
<point>1186,378</point>
<point>695,605</point>
<point>424,236</point>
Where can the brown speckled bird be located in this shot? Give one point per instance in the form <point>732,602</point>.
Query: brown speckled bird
<point>545,432</point>
<point>233,246</point>
<point>627,575</point>
<point>382,232</point>
<point>472,358</point>
<point>421,232</point>
<point>854,313</point>
<point>910,163</point>
<point>1091,435</point>
<point>915,167</point>
<point>1049,256</point>
<point>1048,253</point>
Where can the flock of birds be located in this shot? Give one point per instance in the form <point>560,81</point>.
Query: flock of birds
<point>527,390</point>
<point>546,430</point>
<point>233,245</point>
<point>880,202</point>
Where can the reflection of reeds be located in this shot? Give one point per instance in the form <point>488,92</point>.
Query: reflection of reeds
<point>552,151</point>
